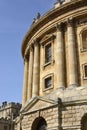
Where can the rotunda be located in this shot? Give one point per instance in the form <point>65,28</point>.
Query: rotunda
<point>55,69</point>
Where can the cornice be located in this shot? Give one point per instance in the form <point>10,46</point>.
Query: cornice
<point>49,37</point>
<point>50,15</point>
<point>68,103</point>
<point>34,100</point>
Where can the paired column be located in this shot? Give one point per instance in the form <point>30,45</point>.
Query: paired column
<point>60,58</point>
<point>72,55</point>
<point>30,75</point>
<point>36,70</point>
<point>25,83</point>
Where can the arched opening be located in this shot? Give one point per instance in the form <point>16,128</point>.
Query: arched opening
<point>39,124</point>
<point>84,122</point>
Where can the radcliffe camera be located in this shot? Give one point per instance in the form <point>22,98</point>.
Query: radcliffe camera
<point>54,52</point>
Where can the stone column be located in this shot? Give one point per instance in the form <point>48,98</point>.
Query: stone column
<point>25,83</point>
<point>60,58</point>
<point>72,61</point>
<point>30,75</point>
<point>36,70</point>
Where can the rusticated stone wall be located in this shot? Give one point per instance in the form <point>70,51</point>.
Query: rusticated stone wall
<point>62,116</point>
<point>72,115</point>
<point>50,115</point>
<point>63,105</point>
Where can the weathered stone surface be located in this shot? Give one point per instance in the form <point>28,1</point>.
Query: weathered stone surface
<point>64,104</point>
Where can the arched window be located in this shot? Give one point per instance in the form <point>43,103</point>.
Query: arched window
<point>39,124</point>
<point>84,40</point>
<point>84,122</point>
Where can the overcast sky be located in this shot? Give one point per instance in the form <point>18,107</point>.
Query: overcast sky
<point>16,16</point>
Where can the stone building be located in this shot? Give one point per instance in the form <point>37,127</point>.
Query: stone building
<point>8,112</point>
<point>55,70</point>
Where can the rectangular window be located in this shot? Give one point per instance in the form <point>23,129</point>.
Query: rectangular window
<point>5,127</point>
<point>48,53</point>
<point>84,39</point>
<point>85,70</point>
<point>48,82</point>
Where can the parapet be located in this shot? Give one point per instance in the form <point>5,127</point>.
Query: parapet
<point>61,2</point>
<point>6,105</point>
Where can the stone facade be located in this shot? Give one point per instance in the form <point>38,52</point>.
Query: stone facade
<point>55,70</point>
<point>8,112</point>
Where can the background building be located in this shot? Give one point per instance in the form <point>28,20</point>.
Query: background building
<point>55,70</point>
<point>8,112</point>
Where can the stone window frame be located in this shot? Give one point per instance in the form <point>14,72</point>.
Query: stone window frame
<point>83,71</point>
<point>44,79</point>
<point>52,61</point>
<point>81,42</point>
<point>48,54</point>
<point>49,40</point>
<point>45,46</point>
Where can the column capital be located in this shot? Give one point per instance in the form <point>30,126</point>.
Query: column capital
<point>25,58</point>
<point>53,37</point>
<point>70,22</point>
<point>58,26</point>
<point>30,48</point>
<point>36,41</point>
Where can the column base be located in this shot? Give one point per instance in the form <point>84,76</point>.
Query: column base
<point>72,86</point>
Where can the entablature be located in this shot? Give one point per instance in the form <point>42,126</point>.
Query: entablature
<point>48,21</point>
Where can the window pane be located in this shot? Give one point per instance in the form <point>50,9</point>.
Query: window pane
<point>48,82</point>
<point>85,67</point>
<point>5,127</point>
<point>84,39</point>
<point>48,53</point>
